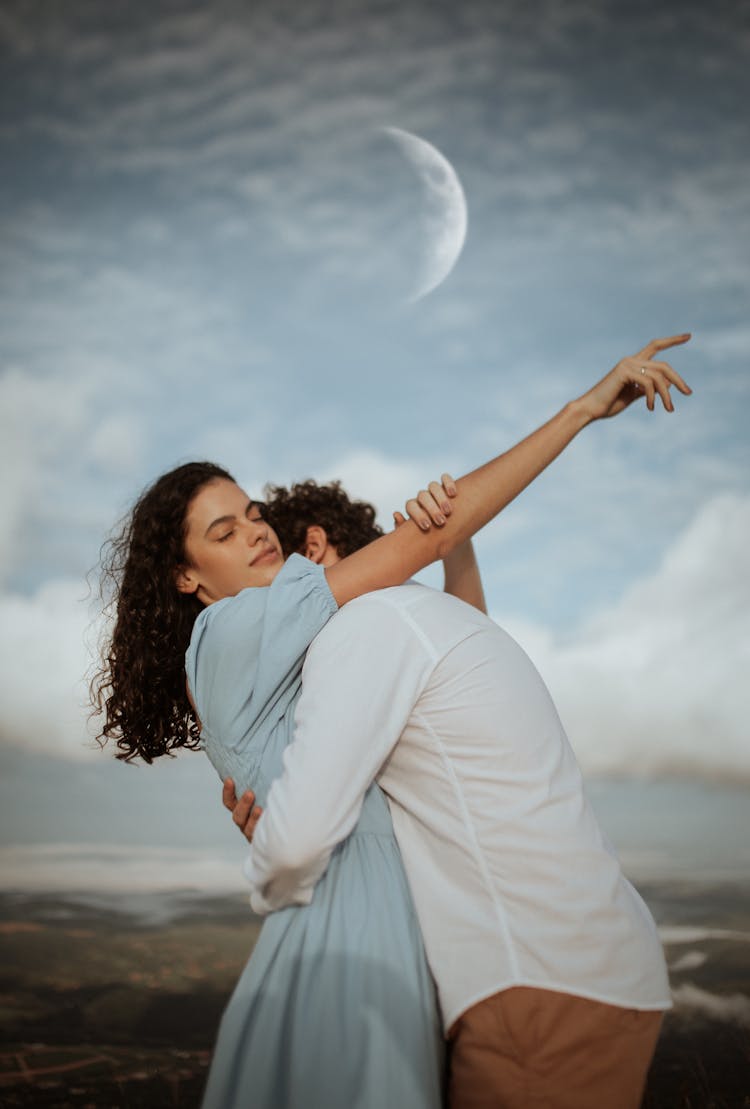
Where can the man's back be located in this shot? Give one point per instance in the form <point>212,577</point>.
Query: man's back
<point>513,881</point>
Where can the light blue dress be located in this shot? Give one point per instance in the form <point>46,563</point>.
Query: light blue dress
<point>336,1008</point>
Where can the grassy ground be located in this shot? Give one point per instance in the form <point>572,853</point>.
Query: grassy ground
<point>99,1009</point>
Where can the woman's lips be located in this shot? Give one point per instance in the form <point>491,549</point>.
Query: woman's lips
<point>270,554</point>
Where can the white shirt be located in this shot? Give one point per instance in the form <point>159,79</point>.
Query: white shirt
<point>513,881</point>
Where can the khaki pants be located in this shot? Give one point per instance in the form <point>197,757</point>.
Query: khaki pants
<point>526,1048</point>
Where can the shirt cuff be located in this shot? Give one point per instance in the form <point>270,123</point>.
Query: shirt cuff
<point>262,905</point>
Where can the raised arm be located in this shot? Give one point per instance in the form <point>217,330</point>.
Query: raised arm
<point>462,578</point>
<point>393,558</point>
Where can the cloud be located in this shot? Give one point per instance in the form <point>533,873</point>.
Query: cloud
<point>656,682</point>
<point>60,437</point>
<point>116,443</point>
<point>370,475</point>
<point>43,660</point>
<point>113,868</point>
<point>734,1008</point>
<point>650,685</point>
<point>690,933</point>
<point>39,422</point>
<point>691,960</point>
<point>731,341</point>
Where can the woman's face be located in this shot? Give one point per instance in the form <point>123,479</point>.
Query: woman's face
<point>228,546</point>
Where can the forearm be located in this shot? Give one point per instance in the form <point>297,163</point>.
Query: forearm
<point>483,493</point>
<point>486,491</point>
<point>462,578</point>
<point>303,821</point>
<point>344,732</point>
<point>311,807</point>
<point>278,874</point>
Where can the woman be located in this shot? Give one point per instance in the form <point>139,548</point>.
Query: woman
<point>335,1007</point>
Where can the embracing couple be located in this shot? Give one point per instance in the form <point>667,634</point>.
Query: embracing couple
<point>499,885</point>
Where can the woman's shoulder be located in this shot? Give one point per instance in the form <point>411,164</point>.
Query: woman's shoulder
<point>246,650</point>
<point>300,587</point>
<point>301,582</point>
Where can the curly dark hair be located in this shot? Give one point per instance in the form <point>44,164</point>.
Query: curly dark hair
<point>348,524</point>
<point>140,687</point>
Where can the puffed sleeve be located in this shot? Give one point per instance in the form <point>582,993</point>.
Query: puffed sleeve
<point>245,656</point>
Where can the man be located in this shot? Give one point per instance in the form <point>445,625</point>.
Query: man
<point>548,966</point>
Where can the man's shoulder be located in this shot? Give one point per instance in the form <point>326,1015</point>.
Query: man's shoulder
<point>392,607</point>
<point>376,628</point>
<point>400,597</point>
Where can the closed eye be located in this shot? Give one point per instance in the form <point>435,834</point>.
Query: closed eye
<point>223,538</point>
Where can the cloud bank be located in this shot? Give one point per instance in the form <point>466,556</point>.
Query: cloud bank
<point>654,684</point>
<point>734,1009</point>
<point>657,682</point>
<point>43,660</point>
<point>71,868</point>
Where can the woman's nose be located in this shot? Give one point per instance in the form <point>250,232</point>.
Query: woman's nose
<point>257,531</point>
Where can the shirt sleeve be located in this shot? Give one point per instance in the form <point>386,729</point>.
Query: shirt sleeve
<point>361,679</point>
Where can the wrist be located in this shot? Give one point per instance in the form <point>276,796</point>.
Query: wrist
<point>579,412</point>
<point>461,555</point>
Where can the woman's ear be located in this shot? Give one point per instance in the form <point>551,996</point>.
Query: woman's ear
<point>316,543</point>
<point>185,580</point>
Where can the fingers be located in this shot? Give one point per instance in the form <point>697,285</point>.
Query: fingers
<point>431,505</point>
<point>248,828</point>
<point>656,345</point>
<point>661,386</point>
<point>426,509</point>
<point>672,375</point>
<point>645,383</point>
<point>228,796</point>
<point>398,519</point>
<point>243,809</point>
<point>245,813</point>
<point>416,513</point>
<point>434,502</point>
<point>651,379</point>
<point>449,485</point>
<point>441,496</point>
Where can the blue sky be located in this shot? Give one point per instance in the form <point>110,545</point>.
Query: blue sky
<point>207,247</point>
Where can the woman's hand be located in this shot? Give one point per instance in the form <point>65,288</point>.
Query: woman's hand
<point>245,813</point>
<point>431,505</point>
<point>634,377</point>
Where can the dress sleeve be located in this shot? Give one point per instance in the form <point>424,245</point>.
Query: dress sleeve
<point>246,652</point>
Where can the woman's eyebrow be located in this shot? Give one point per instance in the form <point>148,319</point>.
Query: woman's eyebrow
<point>229,519</point>
<point>219,520</point>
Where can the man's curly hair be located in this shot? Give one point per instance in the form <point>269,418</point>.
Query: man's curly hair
<point>348,524</point>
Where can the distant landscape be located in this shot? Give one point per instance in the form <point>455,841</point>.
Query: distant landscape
<point>115,1002</point>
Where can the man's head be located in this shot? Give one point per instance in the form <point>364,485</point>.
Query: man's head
<point>319,521</point>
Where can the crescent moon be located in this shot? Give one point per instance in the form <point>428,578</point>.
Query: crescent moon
<point>445,217</point>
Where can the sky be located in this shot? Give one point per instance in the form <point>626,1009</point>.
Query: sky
<point>209,246</point>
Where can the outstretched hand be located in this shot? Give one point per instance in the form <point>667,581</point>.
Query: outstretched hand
<point>245,813</point>
<point>637,376</point>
